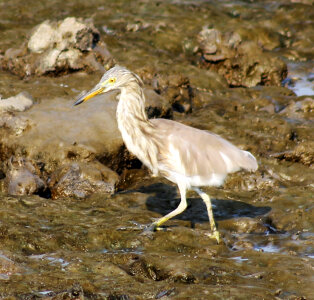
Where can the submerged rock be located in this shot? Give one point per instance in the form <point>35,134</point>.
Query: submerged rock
<point>242,63</point>
<point>58,47</point>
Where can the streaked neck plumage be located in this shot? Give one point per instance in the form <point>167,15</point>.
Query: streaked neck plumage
<point>137,131</point>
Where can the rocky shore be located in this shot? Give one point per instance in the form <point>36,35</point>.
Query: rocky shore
<point>73,200</point>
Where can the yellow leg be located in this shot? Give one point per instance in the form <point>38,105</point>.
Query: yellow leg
<point>208,203</point>
<point>182,206</point>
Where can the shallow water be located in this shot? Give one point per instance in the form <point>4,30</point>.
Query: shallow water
<point>53,244</point>
<point>70,247</point>
<point>302,75</point>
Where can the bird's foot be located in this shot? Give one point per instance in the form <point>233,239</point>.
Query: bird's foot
<point>214,235</point>
<point>151,228</point>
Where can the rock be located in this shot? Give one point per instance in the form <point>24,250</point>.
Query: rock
<point>302,109</point>
<point>14,125</point>
<point>42,38</point>
<point>156,105</point>
<point>242,63</point>
<point>243,225</point>
<point>22,177</point>
<point>303,153</point>
<point>176,89</point>
<point>75,292</point>
<point>59,47</point>
<point>81,180</point>
<point>243,181</point>
<point>20,102</point>
<point>212,46</point>
<point>54,134</point>
<point>57,133</point>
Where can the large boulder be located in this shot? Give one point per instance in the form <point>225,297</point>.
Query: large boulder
<point>53,134</point>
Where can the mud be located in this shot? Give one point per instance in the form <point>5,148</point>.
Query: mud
<point>72,226</point>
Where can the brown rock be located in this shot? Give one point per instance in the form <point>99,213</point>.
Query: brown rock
<point>81,180</point>
<point>22,177</point>
<point>242,63</point>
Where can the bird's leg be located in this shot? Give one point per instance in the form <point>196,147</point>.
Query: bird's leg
<point>208,203</point>
<point>182,206</point>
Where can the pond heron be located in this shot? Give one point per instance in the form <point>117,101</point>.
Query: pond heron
<point>187,156</point>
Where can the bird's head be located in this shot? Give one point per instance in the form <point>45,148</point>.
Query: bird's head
<point>114,79</point>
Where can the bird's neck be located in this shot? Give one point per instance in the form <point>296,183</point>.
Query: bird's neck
<point>131,106</point>
<point>136,130</point>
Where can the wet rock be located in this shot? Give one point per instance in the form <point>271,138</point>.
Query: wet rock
<point>109,269</point>
<point>75,292</point>
<point>55,133</point>
<point>244,181</point>
<point>289,220</point>
<point>81,180</point>
<point>175,88</point>
<point>59,47</point>
<point>20,102</point>
<point>243,225</point>
<point>242,244</point>
<point>22,177</point>
<point>242,63</point>
<point>303,109</point>
<point>303,153</point>
<point>159,269</point>
<point>156,105</point>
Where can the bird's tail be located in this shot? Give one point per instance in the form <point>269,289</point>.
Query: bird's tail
<point>248,161</point>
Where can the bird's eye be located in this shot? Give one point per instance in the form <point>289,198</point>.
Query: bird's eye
<point>112,80</point>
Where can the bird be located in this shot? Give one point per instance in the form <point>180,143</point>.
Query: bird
<point>189,157</point>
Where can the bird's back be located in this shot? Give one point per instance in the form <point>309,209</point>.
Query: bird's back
<point>197,156</point>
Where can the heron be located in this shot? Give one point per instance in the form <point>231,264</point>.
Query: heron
<point>189,157</point>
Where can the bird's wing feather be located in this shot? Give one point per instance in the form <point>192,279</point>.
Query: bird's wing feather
<point>194,152</point>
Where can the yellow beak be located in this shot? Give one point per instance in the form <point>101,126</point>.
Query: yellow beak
<point>92,93</point>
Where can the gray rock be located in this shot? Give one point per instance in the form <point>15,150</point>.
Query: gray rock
<point>54,134</point>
